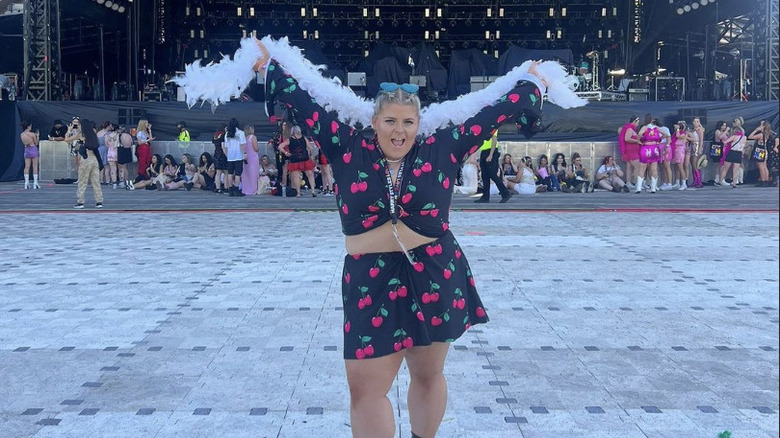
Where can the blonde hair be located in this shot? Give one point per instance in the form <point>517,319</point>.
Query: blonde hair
<point>295,130</point>
<point>142,125</point>
<point>249,129</point>
<point>399,97</point>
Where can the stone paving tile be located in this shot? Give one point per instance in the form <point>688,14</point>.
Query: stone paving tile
<point>248,344</point>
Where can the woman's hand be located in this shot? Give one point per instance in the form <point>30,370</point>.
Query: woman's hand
<point>263,60</point>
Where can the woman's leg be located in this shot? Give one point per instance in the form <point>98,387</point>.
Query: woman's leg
<point>640,177</point>
<point>36,166</point>
<point>112,171</point>
<point>369,382</point>
<point>668,177</point>
<point>763,172</point>
<point>310,178</point>
<point>27,164</point>
<point>218,180</point>
<point>724,170</point>
<point>296,182</point>
<point>735,173</point>
<point>427,396</point>
<point>327,179</point>
<point>604,184</point>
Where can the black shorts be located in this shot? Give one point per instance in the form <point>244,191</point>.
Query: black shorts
<point>235,167</point>
<point>734,157</point>
<point>124,155</point>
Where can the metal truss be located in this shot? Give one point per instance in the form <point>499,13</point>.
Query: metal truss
<point>42,49</point>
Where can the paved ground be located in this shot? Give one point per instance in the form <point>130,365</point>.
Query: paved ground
<point>227,324</point>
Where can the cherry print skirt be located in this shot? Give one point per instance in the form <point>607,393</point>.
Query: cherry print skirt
<point>391,305</point>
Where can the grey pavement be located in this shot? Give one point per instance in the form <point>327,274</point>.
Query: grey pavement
<point>203,322</point>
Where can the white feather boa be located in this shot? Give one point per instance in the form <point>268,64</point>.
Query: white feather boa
<point>217,83</point>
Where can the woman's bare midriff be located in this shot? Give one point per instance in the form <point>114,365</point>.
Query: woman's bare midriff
<point>381,239</point>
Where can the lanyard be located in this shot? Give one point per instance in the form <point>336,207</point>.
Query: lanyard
<point>394,190</point>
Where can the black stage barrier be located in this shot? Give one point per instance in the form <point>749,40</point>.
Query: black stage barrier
<point>598,121</point>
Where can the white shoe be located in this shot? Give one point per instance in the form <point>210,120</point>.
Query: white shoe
<point>36,186</point>
<point>26,185</point>
<point>665,187</point>
<point>683,186</point>
<point>675,186</point>
<point>115,186</point>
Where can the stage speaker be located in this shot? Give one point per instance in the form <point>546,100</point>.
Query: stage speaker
<point>129,117</point>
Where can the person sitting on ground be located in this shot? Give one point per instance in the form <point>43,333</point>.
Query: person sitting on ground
<point>204,177</point>
<point>610,176</point>
<point>153,170</point>
<point>524,183</point>
<point>169,175</point>
<point>577,175</point>
<point>508,168</point>
<point>546,176</point>
<point>268,173</point>
<point>469,176</point>
<point>559,170</point>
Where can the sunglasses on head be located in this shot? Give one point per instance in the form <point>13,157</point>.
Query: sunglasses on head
<point>389,87</point>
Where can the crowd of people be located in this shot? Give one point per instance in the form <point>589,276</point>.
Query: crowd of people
<point>654,158</point>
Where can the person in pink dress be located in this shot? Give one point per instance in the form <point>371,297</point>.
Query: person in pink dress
<point>629,148</point>
<point>251,173</point>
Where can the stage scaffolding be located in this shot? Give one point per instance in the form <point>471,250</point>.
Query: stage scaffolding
<point>42,50</point>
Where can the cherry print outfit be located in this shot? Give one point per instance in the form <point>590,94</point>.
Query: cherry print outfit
<point>390,304</point>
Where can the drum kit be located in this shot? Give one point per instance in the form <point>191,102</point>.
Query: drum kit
<point>587,78</point>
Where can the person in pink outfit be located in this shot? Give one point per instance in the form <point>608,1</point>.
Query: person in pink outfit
<point>629,148</point>
<point>251,172</point>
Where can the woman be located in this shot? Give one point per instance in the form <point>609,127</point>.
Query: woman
<point>169,178</point>
<point>577,177</point>
<point>234,148</point>
<point>298,153</point>
<point>124,156</point>
<point>394,193</point>
<point>559,170</point>
<point>546,175</point>
<point>720,138</point>
<point>279,143</point>
<point>469,175</point>
<point>268,172</point>
<point>773,162</point>
<point>680,154</point>
<point>89,166</point>
<point>649,154</point>
<point>30,140</point>
<point>204,178</point>
<point>112,142</point>
<point>763,137</point>
<point>507,167</point>
<point>326,174</point>
<point>629,143</point>
<point>75,140</point>
<point>103,151</point>
<point>143,135</point>
<point>735,144</point>
<point>666,156</point>
<point>523,182</point>
<point>251,172</point>
<point>220,159</point>
<point>610,176</point>
<point>696,143</point>
<point>154,169</point>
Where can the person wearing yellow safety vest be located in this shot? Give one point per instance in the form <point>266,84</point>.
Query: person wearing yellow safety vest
<point>488,165</point>
<point>184,135</point>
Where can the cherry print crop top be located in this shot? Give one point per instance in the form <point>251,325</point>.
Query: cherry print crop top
<point>430,167</point>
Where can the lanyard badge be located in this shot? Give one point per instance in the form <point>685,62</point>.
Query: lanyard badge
<point>394,190</point>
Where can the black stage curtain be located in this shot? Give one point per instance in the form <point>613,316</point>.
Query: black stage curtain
<point>463,65</point>
<point>516,55</point>
<point>11,149</point>
<point>427,64</point>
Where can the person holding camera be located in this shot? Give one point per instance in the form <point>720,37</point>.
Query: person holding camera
<point>763,140</point>
<point>523,182</point>
<point>610,176</point>
<point>577,175</point>
<point>90,166</point>
<point>75,140</point>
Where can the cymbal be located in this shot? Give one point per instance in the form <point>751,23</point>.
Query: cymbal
<point>592,54</point>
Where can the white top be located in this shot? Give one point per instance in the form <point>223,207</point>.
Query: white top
<point>527,177</point>
<point>233,146</point>
<point>142,137</point>
<point>607,169</point>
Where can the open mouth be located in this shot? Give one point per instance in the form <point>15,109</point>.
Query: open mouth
<point>398,142</point>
